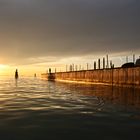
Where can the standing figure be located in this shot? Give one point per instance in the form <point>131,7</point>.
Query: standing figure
<point>16,74</point>
<point>49,70</point>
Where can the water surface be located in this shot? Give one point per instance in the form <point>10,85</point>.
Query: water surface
<point>33,108</point>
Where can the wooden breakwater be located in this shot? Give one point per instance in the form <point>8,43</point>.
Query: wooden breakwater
<point>115,76</point>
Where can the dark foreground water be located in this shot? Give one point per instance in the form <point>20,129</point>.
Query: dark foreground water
<point>36,109</point>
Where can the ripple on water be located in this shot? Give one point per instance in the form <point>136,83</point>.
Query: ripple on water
<point>35,104</point>
<point>35,94</point>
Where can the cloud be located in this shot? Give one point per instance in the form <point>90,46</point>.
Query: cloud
<point>67,28</point>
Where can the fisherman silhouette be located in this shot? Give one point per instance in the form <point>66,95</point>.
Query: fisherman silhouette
<point>16,74</point>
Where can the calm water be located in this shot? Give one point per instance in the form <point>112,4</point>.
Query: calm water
<point>36,109</point>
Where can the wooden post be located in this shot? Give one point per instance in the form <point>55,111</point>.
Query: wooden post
<point>134,58</point>
<point>98,63</point>
<point>87,66</point>
<point>103,63</point>
<point>94,65</point>
<point>72,67</point>
<point>107,61</point>
<point>111,64</point>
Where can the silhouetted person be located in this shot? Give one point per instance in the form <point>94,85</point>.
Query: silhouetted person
<point>50,70</point>
<point>35,75</point>
<point>16,74</point>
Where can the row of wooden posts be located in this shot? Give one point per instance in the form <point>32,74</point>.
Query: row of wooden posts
<point>97,65</point>
<point>106,63</point>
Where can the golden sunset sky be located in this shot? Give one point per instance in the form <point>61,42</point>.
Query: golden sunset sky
<point>38,34</point>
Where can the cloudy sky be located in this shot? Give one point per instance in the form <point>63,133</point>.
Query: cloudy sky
<point>35,32</point>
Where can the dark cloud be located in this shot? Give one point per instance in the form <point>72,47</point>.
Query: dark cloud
<point>42,28</point>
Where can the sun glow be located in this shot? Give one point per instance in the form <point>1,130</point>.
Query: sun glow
<point>3,68</point>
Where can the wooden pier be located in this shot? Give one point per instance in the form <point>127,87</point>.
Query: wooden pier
<point>114,76</point>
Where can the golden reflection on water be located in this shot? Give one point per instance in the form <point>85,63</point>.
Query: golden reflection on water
<point>37,94</point>
<point>31,105</point>
<point>118,95</point>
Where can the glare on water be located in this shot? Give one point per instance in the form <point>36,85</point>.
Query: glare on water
<point>29,105</point>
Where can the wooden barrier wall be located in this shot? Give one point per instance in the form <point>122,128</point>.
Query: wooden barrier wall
<point>116,76</point>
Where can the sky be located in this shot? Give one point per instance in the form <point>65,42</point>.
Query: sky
<point>37,34</point>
